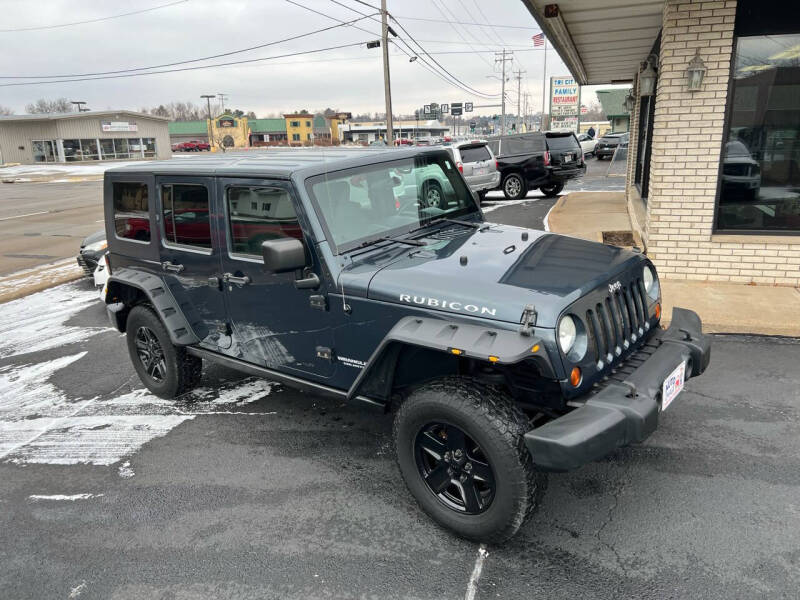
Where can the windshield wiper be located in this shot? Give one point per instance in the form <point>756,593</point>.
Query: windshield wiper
<point>480,225</point>
<point>392,239</point>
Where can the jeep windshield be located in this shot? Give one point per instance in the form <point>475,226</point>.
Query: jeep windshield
<point>388,199</point>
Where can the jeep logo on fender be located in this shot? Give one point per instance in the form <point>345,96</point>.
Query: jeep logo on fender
<point>436,303</point>
<point>614,287</point>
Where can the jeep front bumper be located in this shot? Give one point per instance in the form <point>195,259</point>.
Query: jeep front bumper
<point>624,411</point>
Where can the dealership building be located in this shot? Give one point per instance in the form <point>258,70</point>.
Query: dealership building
<point>83,137</point>
<point>714,159</point>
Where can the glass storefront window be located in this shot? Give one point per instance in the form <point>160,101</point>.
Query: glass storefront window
<point>121,149</point>
<point>107,147</point>
<point>43,151</point>
<point>89,149</point>
<point>72,150</point>
<point>149,147</point>
<point>760,178</point>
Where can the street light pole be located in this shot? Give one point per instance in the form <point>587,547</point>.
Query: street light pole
<point>387,87</point>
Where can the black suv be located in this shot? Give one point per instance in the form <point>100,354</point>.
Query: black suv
<point>504,352</point>
<point>537,160</point>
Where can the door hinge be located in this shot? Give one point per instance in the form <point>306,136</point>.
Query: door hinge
<point>324,353</point>
<point>318,301</point>
<point>528,320</point>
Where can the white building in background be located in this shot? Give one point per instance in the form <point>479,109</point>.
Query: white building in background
<point>83,137</point>
<point>370,131</point>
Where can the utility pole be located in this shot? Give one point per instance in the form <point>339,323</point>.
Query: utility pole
<point>222,101</point>
<point>502,57</point>
<point>519,98</point>
<point>208,98</point>
<point>387,88</point>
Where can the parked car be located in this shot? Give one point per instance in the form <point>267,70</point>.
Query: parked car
<point>607,145</point>
<point>588,144</point>
<point>403,142</point>
<point>425,141</point>
<point>526,163</point>
<point>92,249</point>
<point>741,173</point>
<point>202,146</point>
<point>503,352</point>
<point>477,164</point>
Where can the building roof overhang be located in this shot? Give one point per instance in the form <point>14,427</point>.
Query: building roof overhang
<point>600,41</point>
<point>81,115</point>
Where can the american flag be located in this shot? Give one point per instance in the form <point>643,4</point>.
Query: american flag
<point>538,40</point>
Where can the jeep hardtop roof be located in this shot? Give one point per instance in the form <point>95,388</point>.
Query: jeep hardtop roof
<point>281,163</point>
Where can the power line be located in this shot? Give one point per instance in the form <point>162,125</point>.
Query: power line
<point>183,62</point>
<point>225,64</point>
<point>483,16</point>
<point>135,12</point>
<point>425,52</point>
<point>455,81</point>
<point>457,31</point>
<point>465,22</point>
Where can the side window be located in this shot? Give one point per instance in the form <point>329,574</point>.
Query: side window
<point>257,214</point>
<point>185,211</point>
<point>131,211</point>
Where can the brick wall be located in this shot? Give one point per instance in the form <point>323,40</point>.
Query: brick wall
<point>687,142</point>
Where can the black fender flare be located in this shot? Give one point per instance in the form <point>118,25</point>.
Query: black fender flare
<point>478,341</point>
<point>176,316</point>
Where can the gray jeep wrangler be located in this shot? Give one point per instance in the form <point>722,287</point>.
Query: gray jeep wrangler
<point>503,352</point>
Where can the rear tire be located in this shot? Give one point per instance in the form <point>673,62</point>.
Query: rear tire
<point>165,369</point>
<point>433,194</point>
<point>551,191</point>
<point>471,424</point>
<point>514,187</point>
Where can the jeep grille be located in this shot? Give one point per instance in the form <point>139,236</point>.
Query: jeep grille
<point>617,322</point>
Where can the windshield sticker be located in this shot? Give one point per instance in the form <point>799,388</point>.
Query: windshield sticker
<point>437,303</point>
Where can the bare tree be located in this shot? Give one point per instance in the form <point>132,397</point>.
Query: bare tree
<point>251,115</point>
<point>4,110</point>
<point>42,105</point>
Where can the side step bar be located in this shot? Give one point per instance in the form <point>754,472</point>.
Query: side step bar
<point>288,380</point>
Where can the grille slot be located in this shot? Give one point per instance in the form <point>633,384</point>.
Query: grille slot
<point>617,321</point>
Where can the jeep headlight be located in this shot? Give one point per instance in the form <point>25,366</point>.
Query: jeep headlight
<point>649,280</point>
<point>567,332</point>
<point>97,246</point>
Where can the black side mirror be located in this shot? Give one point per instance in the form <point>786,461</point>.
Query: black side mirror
<point>283,255</point>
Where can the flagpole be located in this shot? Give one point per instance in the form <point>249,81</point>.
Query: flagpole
<point>544,85</point>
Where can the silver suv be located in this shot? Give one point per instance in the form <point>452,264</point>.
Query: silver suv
<point>477,163</point>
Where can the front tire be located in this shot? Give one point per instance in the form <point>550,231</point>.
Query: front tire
<point>166,370</point>
<point>514,187</point>
<point>461,451</point>
<point>433,194</point>
<point>551,191</point>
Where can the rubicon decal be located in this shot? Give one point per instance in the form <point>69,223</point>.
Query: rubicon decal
<point>452,305</point>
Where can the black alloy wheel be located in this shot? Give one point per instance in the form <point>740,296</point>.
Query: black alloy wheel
<point>151,354</point>
<point>514,187</point>
<point>434,196</point>
<point>454,468</point>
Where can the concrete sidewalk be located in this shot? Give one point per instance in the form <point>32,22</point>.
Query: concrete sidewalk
<point>19,284</point>
<point>723,307</point>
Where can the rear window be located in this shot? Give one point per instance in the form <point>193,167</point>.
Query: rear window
<point>131,211</point>
<point>561,142</point>
<point>185,210</point>
<point>474,153</point>
<point>610,139</point>
<point>523,145</point>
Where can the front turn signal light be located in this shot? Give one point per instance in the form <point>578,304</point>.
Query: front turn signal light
<point>658,311</point>
<point>575,377</point>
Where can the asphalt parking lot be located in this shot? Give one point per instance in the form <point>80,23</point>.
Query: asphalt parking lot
<point>244,489</point>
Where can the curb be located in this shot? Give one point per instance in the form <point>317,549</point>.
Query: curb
<point>23,283</point>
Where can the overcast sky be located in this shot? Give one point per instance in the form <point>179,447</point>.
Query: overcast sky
<point>348,79</point>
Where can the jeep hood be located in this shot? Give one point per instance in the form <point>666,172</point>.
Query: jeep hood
<point>496,272</point>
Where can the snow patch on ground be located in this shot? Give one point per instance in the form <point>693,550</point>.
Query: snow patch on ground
<point>62,498</point>
<point>125,471</point>
<point>37,322</point>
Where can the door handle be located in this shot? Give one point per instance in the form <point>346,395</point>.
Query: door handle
<point>229,278</point>
<point>172,267</point>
